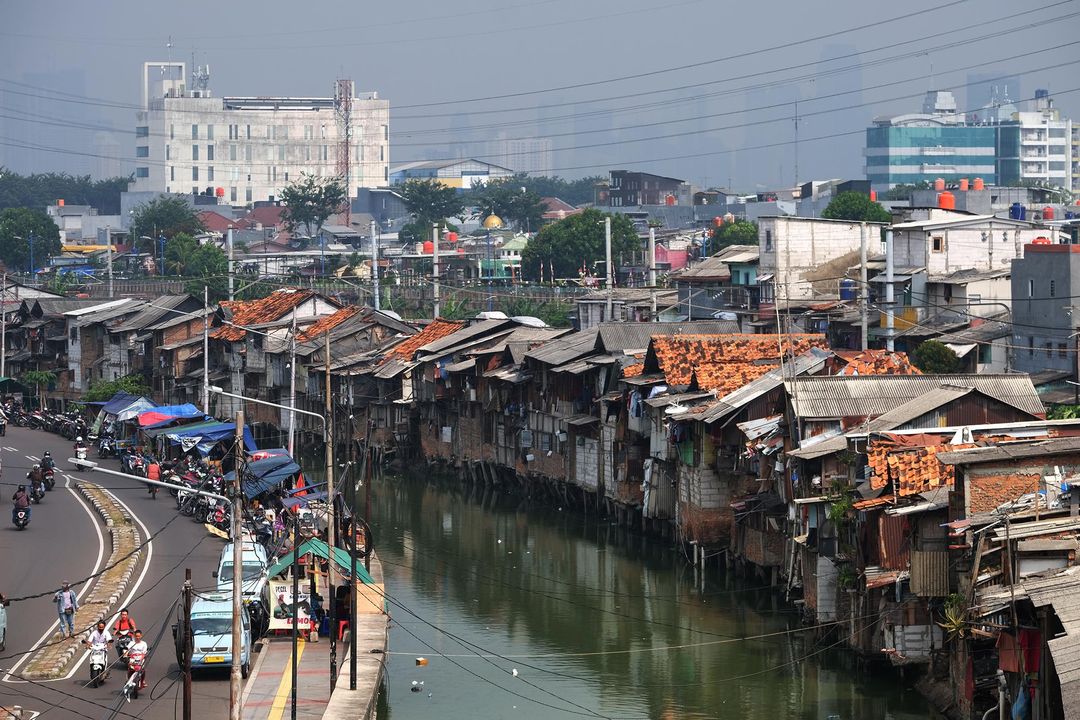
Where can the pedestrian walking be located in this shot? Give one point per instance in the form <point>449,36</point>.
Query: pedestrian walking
<point>66,605</point>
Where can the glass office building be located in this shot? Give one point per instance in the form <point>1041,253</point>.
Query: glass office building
<point>919,149</point>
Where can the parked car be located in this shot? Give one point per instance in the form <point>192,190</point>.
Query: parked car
<point>211,631</point>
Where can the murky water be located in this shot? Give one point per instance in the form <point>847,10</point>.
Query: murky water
<point>595,622</point>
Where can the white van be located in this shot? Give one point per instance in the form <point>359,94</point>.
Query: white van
<point>253,578</point>
<point>211,631</point>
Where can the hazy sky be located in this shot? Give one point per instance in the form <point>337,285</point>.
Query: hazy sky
<point>713,97</point>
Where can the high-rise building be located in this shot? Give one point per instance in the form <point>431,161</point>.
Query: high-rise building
<point>532,155</point>
<point>247,149</point>
<point>1037,146</point>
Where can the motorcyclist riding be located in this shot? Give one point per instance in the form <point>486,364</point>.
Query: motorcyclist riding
<point>98,638</point>
<point>136,655</point>
<point>47,462</point>
<point>79,444</point>
<point>124,632</point>
<point>21,500</point>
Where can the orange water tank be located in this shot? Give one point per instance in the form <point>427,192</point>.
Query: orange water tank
<point>451,237</point>
<point>428,248</point>
<point>718,221</point>
<point>220,192</point>
<point>977,184</point>
<point>1041,241</point>
<point>939,184</point>
<point>873,196</point>
<point>60,202</point>
<point>946,201</point>
<point>669,200</point>
<point>1048,213</point>
<point>963,184</point>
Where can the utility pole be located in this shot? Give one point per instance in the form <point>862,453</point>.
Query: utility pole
<point>236,711</point>
<point>206,350</point>
<point>352,547</point>
<point>230,243</point>
<point>607,250</point>
<point>292,389</point>
<point>295,606</point>
<point>889,316</point>
<point>863,287</point>
<point>108,255</point>
<point>186,639</point>
<point>331,519</point>
<point>374,268</point>
<point>652,272</point>
<point>3,328</point>
<point>435,266</point>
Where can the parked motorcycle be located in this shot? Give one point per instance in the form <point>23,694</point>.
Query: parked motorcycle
<point>99,663</point>
<point>220,517</point>
<point>3,426</point>
<point>21,518</point>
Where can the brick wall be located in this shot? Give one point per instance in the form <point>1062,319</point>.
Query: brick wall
<point>986,492</point>
<point>703,526</point>
<point>762,547</point>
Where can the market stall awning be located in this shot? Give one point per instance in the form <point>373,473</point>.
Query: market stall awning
<point>265,475</point>
<point>167,414</point>
<point>206,434</point>
<point>122,401</point>
<point>317,547</point>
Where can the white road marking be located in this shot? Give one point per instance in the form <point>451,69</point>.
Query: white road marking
<point>95,521</point>
<point>133,589</point>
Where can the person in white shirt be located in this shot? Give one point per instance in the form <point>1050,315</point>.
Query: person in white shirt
<point>99,636</point>
<point>136,653</point>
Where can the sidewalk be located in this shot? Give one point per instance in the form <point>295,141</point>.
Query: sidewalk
<point>268,691</point>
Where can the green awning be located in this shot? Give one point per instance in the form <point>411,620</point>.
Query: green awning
<point>315,546</point>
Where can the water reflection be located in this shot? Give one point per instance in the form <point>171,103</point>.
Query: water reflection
<point>596,622</point>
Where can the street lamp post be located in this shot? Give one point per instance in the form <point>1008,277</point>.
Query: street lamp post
<point>31,236</point>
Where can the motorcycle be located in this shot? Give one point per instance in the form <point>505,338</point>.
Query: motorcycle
<point>124,639</point>
<point>37,492</point>
<point>21,518</point>
<point>3,427</point>
<point>50,480</point>
<point>106,447</point>
<point>99,663</point>
<point>220,517</point>
<point>135,676</point>
<point>200,513</point>
<point>80,452</point>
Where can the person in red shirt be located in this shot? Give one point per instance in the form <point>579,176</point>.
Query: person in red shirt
<point>153,472</point>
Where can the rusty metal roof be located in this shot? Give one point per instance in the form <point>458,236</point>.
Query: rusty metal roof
<point>435,330</point>
<point>874,395</point>
<point>267,309</point>
<point>1012,451</point>
<point>622,336</point>
<point>328,323</point>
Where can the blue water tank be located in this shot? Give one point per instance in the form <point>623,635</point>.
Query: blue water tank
<point>1017,211</point>
<point>847,290</point>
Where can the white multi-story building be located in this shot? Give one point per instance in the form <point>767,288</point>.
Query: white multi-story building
<point>524,155</point>
<point>246,149</point>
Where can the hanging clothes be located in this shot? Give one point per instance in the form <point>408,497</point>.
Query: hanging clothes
<point>637,407</point>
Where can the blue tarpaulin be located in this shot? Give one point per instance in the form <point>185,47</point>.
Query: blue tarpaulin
<point>210,433</point>
<point>264,475</point>
<point>165,414</point>
<point>120,401</point>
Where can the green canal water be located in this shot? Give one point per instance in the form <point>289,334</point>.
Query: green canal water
<point>596,622</point>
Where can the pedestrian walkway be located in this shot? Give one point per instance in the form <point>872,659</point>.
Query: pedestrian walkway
<point>269,689</point>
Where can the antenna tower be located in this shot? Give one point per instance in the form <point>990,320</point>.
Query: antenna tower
<point>343,100</point>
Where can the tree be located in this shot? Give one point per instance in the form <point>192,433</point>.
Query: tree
<point>165,216</point>
<point>575,192</point>
<point>856,206</point>
<point>510,201</point>
<point>429,201</point>
<point>935,358</point>
<point>206,264</point>
<point>740,232</point>
<point>310,201</point>
<point>39,190</point>
<point>904,191</point>
<point>17,227</point>
<point>577,241</point>
<point>40,379</point>
<point>105,389</point>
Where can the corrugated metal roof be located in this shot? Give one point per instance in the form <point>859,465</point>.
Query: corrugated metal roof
<point>566,348</point>
<point>930,573</point>
<point>916,407</point>
<point>875,395</point>
<point>1062,593</point>
<point>464,335</point>
<point>622,336</point>
<point>807,362</point>
<point>151,314</point>
<point>1011,451</point>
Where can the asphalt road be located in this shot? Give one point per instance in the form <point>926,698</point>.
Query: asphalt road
<point>65,541</point>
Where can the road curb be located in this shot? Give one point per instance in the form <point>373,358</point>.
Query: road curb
<point>51,660</point>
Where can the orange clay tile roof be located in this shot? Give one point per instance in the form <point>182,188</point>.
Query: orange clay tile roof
<point>911,470</point>
<point>872,503</point>
<point>436,330</point>
<point>725,362</point>
<point>876,362</point>
<point>268,309</point>
<point>328,323</point>
<point>633,370</point>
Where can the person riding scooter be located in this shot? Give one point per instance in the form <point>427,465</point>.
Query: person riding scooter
<point>124,632</point>
<point>36,477</point>
<point>21,501</point>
